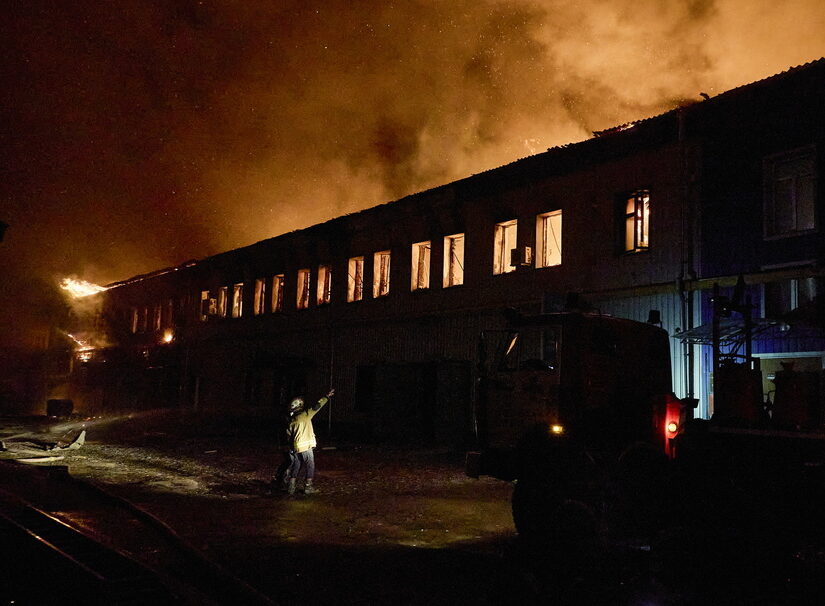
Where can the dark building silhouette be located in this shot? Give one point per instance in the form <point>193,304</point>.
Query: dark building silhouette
<point>387,304</point>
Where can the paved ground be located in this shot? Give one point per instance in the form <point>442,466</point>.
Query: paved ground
<point>400,525</point>
<point>393,524</point>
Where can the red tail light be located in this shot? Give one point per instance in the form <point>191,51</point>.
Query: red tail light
<point>673,413</point>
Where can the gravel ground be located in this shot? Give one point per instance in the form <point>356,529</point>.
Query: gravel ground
<point>390,523</point>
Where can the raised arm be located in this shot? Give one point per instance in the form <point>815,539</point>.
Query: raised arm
<point>321,403</point>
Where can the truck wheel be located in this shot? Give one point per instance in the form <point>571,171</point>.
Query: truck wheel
<point>640,502</point>
<point>558,542</point>
<point>544,516</point>
<point>532,505</point>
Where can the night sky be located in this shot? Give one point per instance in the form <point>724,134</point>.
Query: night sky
<point>137,135</point>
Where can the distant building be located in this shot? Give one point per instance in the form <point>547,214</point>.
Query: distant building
<point>387,304</point>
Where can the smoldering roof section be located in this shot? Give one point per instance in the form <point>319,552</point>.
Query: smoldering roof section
<point>149,133</point>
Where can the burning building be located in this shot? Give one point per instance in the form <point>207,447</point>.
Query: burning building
<point>387,304</point>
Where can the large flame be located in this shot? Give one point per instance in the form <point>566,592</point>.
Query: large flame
<point>80,288</point>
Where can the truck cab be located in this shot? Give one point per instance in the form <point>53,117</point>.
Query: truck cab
<point>599,381</point>
<point>566,402</point>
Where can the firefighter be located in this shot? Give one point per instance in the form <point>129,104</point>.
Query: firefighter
<point>301,439</point>
<point>281,480</point>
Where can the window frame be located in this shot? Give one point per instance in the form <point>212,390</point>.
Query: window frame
<point>780,297</point>
<point>453,258</point>
<point>237,300</point>
<point>503,243</point>
<point>355,279</point>
<point>638,218</point>
<point>544,258</point>
<point>323,289</point>
<point>381,273</point>
<point>223,299</point>
<point>170,314</point>
<point>157,318</point>
<point>303,288</point>
<point>259,300</point>
<point>205,298</point>
<point>417,263</point>
<point>773,164</point>
<point>276,299</point>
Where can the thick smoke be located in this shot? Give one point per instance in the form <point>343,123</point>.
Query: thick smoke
<point>146,133</point>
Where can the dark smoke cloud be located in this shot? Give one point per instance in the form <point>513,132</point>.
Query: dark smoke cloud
<point>143,133</point>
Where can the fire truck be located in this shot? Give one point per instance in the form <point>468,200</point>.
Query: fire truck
<point>563,396</point>
<point>577,409</point>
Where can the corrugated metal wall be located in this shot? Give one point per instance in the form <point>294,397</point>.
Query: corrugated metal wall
<point>337,352</point>
<point>333,354</point>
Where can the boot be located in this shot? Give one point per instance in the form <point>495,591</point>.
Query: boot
<point>281,485</point>
<point>290,486</point>
<point>309,488</point>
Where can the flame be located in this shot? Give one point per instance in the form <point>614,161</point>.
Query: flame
<point>83,349</point>
<point>168,335</point>
<point>82,345</point>
<point>80,288</point>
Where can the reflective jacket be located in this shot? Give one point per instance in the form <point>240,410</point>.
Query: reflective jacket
<point>299,434</point>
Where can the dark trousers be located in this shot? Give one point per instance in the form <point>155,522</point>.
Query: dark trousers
<point>303,462</point>
<point>284,468</point>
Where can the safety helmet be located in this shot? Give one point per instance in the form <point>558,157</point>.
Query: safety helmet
<point>296,404</point>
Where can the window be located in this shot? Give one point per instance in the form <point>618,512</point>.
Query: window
<point>381,274</point>
<point>302,301</point>
<point>532,349</point>
<point>223,295</point>
<point>170,313</point>
<point>636,219</point>
<point>278,293</point>
<point>204,311</point>
<point>453,260</point>
<point>144,319</point>
<point>134,320</point>
<point>790,193</point>
<point>324,289</point>
<point>786,295</point>
<point>420,266</point>
<point>355,279</point>
<point>259,302</point>
<point>157,318</point>
<point>548,239</point>
<point>504,241</point>
<point>237,300</point>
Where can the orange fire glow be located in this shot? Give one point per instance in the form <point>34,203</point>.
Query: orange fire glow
<point>80,288</point>
<point>83,348</point>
